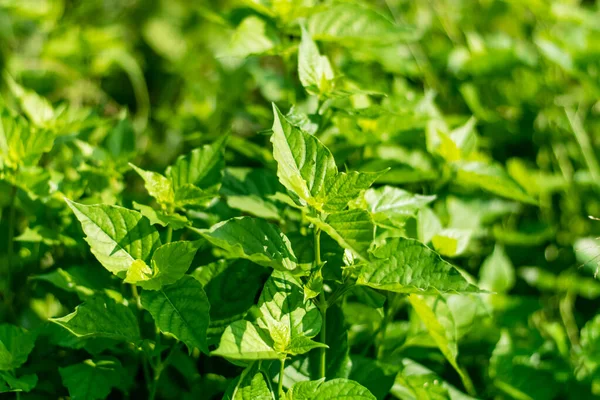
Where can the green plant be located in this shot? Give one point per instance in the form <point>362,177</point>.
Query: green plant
<point>308,200</point>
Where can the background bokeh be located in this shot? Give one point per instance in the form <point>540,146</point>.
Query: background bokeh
<point>513,84</point>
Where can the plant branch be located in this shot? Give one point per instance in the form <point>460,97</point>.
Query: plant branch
<point>169,234</point>
<point>322,304</point>
<point>11,235</point>
<point>280,383</point>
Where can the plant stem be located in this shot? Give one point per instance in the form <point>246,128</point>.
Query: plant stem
<point>169,234</point>
<point>280,383</point>
<point>566,313</point>
<point>317,240</point>
<point>11,234</point>
<point>160,367</point>
<point>322,305</point>
<point>323,335</point>
<point>136,296</point>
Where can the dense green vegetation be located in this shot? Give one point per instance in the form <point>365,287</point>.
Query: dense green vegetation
<point>277,199</point>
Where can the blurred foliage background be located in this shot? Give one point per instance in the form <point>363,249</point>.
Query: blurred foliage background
<point>514,84</point>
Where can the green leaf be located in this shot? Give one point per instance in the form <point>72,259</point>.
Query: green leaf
<point>91,380</point>
<point>437,331</point>
<point>418,382</point>
<point>191,195</point>
<point>169,263</point>
<point>252,385</point>
<point>117,236</point>
<point>101,316</point>
<point>428,225</point>
<point>513,373</point>
<point>590,344</point>
<point>249,190</point>
<point>238,281</point>
<point>15,345</point>
<point>314,285</point>
<point>314,69</point>
<point>497,273</point>
<point>243,340</point>
<point>353,23</point>
<point>78,279</point>
<point>452,242</point>
<point>346,187</point>
<point>161,218</point>
<point>307,168</point>
<point>283,309</point>
<point>37,108</point>
<point>405,265</point>
<point>20,143</point>
<point>281,324</point>
<point>120,141</point>
<point>252,36</point>
<point>304,164</point>
<point>302,344</point>
<point>157,185</point>
<point>390,206</point>
<point>491,178</point>
<point>182,310</point>
<point>342,389</point>
<point>373,375</point>
<point>253,239</point>
<point>202,167</point>
<point>304,390</point>
<point>352,229</point>
<point>10,383</point>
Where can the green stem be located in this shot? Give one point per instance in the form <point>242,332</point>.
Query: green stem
<point>317,240</point>
<point>11,234</point>
<point>566,313</point>
<point>322,305</point>
<point>323,335</point>
<point>160,367</point>
<point>280,383</point>
<point>145,370</point>
<point>169,234</point>
<point>136,296</point>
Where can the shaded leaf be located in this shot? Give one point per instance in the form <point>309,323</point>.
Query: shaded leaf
<point>202,167</point>
<point>352,229</point>
<point>91,380</point>
<point>10,383</point>
<point>156,217</point>
<point>253,239</point>
<point>101,316</point>
<point>182,310</point>
<point>15,345</point>
<point>238,281</point>
<point>252,385</point>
